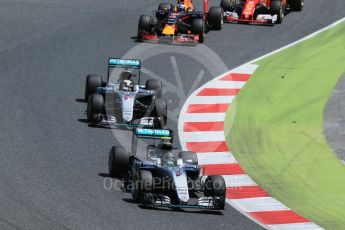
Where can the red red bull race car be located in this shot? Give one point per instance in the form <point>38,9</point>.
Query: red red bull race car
<point>267,12</point>
<point>179,24</point>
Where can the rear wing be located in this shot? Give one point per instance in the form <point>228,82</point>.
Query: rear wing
<point>123,63</point>
<point>129,63</point>
<point>153,133</point>
<point>166,134</point>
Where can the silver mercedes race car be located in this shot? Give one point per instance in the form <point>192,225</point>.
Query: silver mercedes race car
<point>121,100</point>
<point>164,176</point>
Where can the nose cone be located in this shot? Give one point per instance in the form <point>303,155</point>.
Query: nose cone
<point>248,10</point>
<point>169,30</point>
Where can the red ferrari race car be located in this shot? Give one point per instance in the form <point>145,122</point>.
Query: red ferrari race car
<point>267,12</point>
<point>179,24</point>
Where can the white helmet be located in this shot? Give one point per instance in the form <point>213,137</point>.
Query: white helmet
<point>127,85</point>
<point>180,7</point>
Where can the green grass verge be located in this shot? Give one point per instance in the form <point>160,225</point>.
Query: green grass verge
<point>275,128</point>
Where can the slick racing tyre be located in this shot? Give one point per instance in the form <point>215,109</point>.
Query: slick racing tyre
<point>215,187</point>
<point>92,83</point>
<point>143,183</point>
<point>198,27</point>
<point>144,24</point>
<point>188,157</point>
<point>296,5</point>
<point>95,107</point>
<point>160,111</point>
<point>153,84</point>
<point>163,10</point>
<point>216,17</point>
<point>228,5</point>
<point>165,7</point>
<point>277,8</point>
<point>118,163</point>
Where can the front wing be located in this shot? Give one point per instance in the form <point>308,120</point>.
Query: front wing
<point>183,39</point>
<point>110,121</point>
<point>157,200</point>
<point>261,19</point>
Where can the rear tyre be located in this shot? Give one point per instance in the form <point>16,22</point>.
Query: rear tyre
<point>95,107</point>
<point>165,7</point>
<point>160,111</point>
<point>215,187</point>
<point>163,10</point>
<point>153,84</point>
<point>227,5</point>
<point>189,157</point>
<point>118,163</point>
<point>277,8</point>
<point>92,83</point>
<point>296,5</point>
<point>198,27</point>
<point>216,17</point>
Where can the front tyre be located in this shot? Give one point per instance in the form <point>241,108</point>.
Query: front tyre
<point>144,25</point>
<point>95,108</point>
<point>160,111</point>
<point>277,8</point>
<point>118,163</point>
<point>143,183</point>
<point>215,187</point>
<point>198,28</point>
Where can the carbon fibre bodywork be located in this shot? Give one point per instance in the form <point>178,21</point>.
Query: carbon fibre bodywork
<point>164,177</point>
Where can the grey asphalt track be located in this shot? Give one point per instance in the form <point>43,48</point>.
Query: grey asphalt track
<point>335,119</point>
<point>51,163</point>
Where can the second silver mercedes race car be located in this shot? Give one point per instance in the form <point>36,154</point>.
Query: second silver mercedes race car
<point>121,100</point>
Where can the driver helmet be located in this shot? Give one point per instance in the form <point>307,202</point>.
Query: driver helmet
<point>180,7</point>
<point>127,85</point>
<point>126,75</point>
